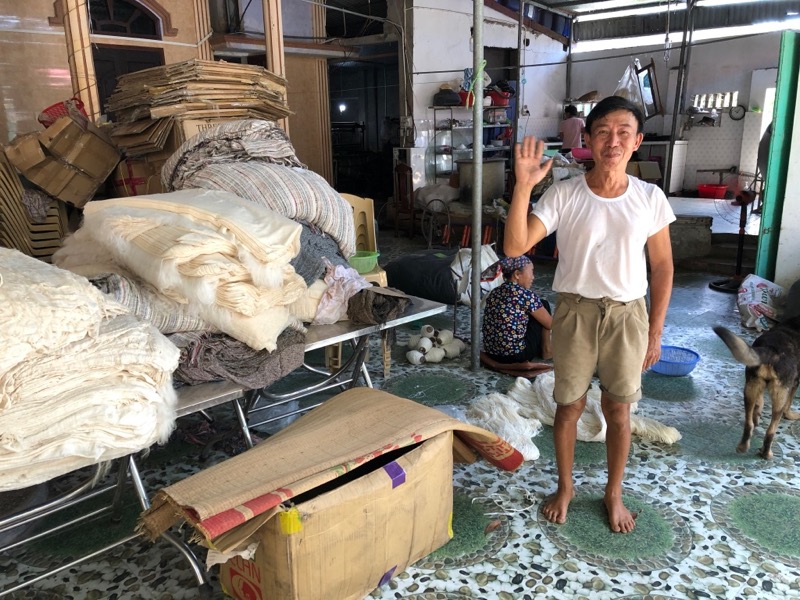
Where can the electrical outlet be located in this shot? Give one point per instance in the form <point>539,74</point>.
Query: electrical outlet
<point>525,112</point>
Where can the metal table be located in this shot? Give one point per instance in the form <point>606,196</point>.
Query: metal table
<point>345,376</point>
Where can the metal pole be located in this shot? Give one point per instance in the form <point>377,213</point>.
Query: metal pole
<point>679,91</point>
<point>477,182</point>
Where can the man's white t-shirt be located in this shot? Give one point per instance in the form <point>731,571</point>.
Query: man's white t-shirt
<point>601,241</point>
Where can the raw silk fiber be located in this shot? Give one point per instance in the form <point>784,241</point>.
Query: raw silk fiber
<point>38,298</point>
<point>535,400</point>
<point>96,385</point>
<point>226,257</point>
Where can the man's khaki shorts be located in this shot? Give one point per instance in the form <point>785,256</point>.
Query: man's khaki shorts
<point>599,336</point>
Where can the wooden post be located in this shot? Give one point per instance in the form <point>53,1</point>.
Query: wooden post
<point>273,34</point>
<point>79,55</point>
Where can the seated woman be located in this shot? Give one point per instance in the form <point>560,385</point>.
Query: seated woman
<point>516,322</point>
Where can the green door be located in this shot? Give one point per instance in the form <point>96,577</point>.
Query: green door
<point>775,177</point>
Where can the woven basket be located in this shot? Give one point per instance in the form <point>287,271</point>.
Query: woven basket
<point>53,113</point>
<point>676,361</point>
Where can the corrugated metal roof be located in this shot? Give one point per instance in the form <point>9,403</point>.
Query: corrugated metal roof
<point>348,23</point>
<point>732,14</point>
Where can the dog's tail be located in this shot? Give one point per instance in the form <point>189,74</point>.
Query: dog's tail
<point>741,350</point>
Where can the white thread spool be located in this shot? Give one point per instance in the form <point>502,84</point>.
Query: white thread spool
<point>434,355</point>
<point>424,345</point>
<point>413,341</point>
<point>461,344</point>
<point>415,358</point>
<point>445,337</point>
<point>451,350</point>
<point>427,331</point>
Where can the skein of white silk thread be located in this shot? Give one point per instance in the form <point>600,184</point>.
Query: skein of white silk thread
<point>415,357</point>
<point>434,355</point>
<point>413,341</point>
<point>427,331</point>
<point>445,337</point>
<point>424,345</point>
<point>451,350</point>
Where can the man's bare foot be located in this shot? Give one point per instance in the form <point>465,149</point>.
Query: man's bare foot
<point>620,519</point>
<point>555,509</point>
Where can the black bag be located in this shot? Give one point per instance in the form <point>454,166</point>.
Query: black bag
<point>446,97</point>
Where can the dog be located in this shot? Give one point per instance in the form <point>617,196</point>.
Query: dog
<point>773,363</point>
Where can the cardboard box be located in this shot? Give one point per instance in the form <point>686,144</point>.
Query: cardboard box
<point>25,152</point>
<point>80,147</point>
<point>646,170</point>
<point>68,160</point>
<point>346,538</point>
<point>191,127</point>
<point>137,177</point>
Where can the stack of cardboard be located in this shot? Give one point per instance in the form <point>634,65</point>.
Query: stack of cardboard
<point>146,103</point>
<point>39,240</point>
<point>69,160</point>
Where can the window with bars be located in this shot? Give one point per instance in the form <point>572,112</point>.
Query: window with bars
<point>718,100</point>
<point>123,17</point>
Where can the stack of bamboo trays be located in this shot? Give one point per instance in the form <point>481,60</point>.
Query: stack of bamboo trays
<point>39,240</point>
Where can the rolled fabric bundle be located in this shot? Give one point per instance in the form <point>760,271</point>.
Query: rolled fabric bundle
<point>444,337</point>
<point>415,357</point>
<point>413,341</point>
<point>451,350</point>
<point>427,331</point>
<point>434,355</point>
<point>424,345</point>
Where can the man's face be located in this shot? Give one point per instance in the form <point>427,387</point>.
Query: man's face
<point>614,139</point>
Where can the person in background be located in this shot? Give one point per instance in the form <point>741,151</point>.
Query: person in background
<point>516,322</point>
<point>605,220</point>
<point>570,130</point>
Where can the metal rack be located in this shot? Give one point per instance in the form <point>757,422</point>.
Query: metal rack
<point>444,121</point>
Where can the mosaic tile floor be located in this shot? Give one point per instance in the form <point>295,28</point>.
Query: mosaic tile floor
<point>712,523</point>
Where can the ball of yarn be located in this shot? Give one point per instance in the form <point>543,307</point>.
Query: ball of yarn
<point>434,355</point>
<point>415,357</point>
<point>451,350</point>
<point>427,331</point>
<point>461,344</point>
<point>424,345</point>
<point>413,341</point>
<point>444,337</point>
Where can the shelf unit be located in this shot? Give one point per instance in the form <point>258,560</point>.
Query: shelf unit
<point>459,147</point>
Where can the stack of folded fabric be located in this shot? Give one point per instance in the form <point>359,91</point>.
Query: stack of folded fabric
<point>227,259</point>
<point>81,380</point>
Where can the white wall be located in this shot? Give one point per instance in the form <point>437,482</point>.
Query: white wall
<point>441,52</point>
<point>723,65</point>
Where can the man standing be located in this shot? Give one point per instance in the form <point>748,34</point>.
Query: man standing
<point>570,130</point>
<point>605,220</point>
